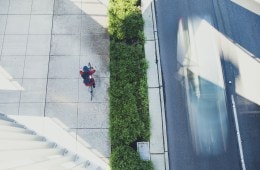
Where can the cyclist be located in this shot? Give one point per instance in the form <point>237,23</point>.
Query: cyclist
<point>86,74</point>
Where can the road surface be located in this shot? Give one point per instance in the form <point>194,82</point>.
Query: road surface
<point>187,130</point>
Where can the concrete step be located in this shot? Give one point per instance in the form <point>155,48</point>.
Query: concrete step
<point>13,129</point>
<point>30,155</point>
<point>8,123</point>
<point>52,163</point>
<point>19,136</point>
<point>81,166</point>
<point>23,144</point>
<point>5,118</point>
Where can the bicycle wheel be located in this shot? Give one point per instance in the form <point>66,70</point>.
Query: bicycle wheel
<point>91,93</point>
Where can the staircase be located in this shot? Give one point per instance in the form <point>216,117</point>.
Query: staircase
<point>23,149</point>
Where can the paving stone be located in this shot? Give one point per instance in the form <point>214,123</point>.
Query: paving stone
<point>31,109</point>
<point>40,24</point>
<point>13,65</point>
<point>4,6</point>
<point>94,24</point>
<point>156,139</point>
<point>7,83</point>
<point>94,8</point>
<point>64,67</point>
<point>99,62</point>
<point>36,67</point>
<point>11,96</point>
<point>67,7</point>
<point>148,24</point>
<point>152,74</point>
<point>66,24</point>
<point>14,45</point>
<point>65,45</point>
<point>9,108</point>
<point>17,24</point>
<point>34,90</point>
<point>100,92</point>
<point>62,90</point>
<point>98,139</point>
<point>3,19</point>
<point>42,6</point>
<point>1,44</point>
<point>158,161</point>
<point>93,115</point>
<point>20,6</point>
<point>38,45</point>
<point>64,112</point>
<point>94,44</point>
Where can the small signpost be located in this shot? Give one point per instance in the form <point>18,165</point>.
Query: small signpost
<point>144,150</point>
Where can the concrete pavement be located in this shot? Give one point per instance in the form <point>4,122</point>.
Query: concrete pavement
<point>43,43</point>
<point>158,140</point>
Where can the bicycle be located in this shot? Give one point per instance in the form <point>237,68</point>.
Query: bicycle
<point>87,74</point>
<point>91,87</point>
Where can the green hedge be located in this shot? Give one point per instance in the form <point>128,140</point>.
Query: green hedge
<point>129,114</point>
<point>125,158</point>
<point>125,21</point>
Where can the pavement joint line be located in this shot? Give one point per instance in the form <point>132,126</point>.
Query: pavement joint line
<point>154,87</point>
<point>26,48</point>
<point>4,30</point>
<point>150,40</point>
<point>48,70</point>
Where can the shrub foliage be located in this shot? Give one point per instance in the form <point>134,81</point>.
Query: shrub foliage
<point>129,114</point>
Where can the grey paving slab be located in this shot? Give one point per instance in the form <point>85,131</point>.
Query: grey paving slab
<point>94,8</point>
<point>65,45</point>
<point>97,139</point>
<point>4,6</point>
<point>34,90</point>
<point>100,92</point>
<point>94,44</point>
<point>67,7</point>
<point>64,67</point>
<point>9,108</point>
<point>3,19</point>
<point>66,24</point>
<point>158,161</point>
<point>152,74</point>
<point>94,24</point>
<point>17,24</point>
<point>13,65</point>
<point>42,6</point>
<point>1,44</point>
<point>31,109</point>
<point>36,67</point>
<point>93,115</point>
<point>38,45</point>
<point>148,24</point>
<point>9,96</point>
<point>40,24</point>
<point>20,6</point>
<point>156,139</point>
<point>99,62</point>
<point>14,45</point>
<point>62,90</point>
<point>64,112</point>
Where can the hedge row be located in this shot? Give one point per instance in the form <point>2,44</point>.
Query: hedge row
<point>129,114</point>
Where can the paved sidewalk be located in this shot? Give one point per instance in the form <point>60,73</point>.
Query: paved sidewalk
<point>43,43</point>
<point>158,141</point>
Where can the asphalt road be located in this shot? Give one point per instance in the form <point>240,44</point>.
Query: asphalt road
<point>229,19</point>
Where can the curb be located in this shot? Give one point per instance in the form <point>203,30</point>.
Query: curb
<point>158,147</point>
